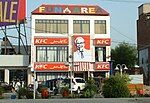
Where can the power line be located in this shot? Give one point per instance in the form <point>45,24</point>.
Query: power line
<point>122,33</point>
<point>127,1</point>
<point>110,26</point>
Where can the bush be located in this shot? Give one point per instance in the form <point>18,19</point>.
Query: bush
<point>116,86</point>
<point>29,95</point>
<point>90,89</point>
<point>1,92</point>
<point>65,91</point>
<point>22,93</point>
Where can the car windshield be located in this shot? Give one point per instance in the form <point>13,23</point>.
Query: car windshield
<point>80,81</point>
<point>66,81</point>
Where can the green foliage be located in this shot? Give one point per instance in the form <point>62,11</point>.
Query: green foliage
<point>22,92</point>
<point>124,53</point>
<point>29,95</point>
<point>116,86</point>
<point>65,91</point>
<point>90,88</point>
<point>2,90</point>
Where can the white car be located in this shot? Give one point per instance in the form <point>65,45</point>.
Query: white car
<point>78,83</point>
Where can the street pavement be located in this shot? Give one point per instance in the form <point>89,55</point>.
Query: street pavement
<point>57,99</point>
<point>79,100</point>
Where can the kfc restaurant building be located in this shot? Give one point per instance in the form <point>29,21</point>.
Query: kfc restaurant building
<point>78,35</point>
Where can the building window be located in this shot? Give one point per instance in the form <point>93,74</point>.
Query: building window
<point>52,53</point>
<point>51,26</point>
<point>100,54</point>
<point>81,26</point>
<point>100,26</point>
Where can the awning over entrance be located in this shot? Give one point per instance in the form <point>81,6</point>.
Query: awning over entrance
<point>83,66</point>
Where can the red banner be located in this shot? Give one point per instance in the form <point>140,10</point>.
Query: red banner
<point>51,41</point>
<point>103,41</point>
<point>102,66</point>
<point>50,66</point>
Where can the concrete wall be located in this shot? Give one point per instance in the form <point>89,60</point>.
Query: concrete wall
<point>14,60</point>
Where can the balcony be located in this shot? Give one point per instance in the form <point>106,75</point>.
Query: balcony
<point>14,60</point>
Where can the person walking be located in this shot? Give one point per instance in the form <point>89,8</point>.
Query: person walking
<point>17,85</point>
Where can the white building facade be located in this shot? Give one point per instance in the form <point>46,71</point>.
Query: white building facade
<point>78,35</point>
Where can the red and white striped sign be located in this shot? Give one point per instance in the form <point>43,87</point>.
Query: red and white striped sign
<point>83,66</point>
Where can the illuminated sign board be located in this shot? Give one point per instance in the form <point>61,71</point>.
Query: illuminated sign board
<point>51,41</point>
<point>102,42</point>
<point>102,66</point>
<point>51,66</point>
<point>11,11</point>
<point>70,9</point>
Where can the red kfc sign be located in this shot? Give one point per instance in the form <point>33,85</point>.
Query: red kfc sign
<point>102,66</point>
<point>103,41</point>
<point>50,66</point>
<point>50,41</point>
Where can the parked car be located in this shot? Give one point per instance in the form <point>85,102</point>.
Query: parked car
<point>6,86</point>
<point>78,84</point>
<point>54,85</point>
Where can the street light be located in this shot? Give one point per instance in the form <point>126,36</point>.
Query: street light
<point>121,67</point>
<point>71,65</point>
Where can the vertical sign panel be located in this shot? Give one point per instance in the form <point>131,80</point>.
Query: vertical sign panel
<point>81,46</point>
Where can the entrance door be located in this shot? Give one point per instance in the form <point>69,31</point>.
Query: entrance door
<point>79,74</point>
<point>83,75</point>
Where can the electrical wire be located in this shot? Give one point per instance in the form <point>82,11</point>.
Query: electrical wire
<point>127,1</point>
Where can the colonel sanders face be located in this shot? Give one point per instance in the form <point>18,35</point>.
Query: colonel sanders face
<point>80,44</point>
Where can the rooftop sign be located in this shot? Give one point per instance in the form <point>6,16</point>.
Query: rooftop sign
<point>70,9</point>
<point>11,11</point>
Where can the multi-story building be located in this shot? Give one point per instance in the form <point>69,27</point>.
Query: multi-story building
<point>13,66</point>
<point>70,38</point>
<point>143,40</point>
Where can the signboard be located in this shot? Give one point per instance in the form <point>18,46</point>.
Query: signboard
<point>11,11</point>
<point>51,66</point>
<point>102,66</point>
<point>81,48</point>
<point>102,41</point>
<point>70,9</point>
<point>51,41</point>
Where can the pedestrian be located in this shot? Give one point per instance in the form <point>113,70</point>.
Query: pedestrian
<point>17,85</point>
<point>36,86</point>
<point>13,96</point>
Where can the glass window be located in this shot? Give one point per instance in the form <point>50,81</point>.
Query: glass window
<point>52,54</point>
<point>100,26</point>
<point>51,26</point>
<point>41,54</point>
<point>39,26</point>
<point>81,26</point>
<point>100,54</point>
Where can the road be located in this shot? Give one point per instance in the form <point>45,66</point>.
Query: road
<point>81,100</point>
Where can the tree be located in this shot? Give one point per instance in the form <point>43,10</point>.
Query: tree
<point>116,86</point>
<point>124,53</point>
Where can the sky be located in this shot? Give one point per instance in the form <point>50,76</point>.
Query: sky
<point>123,16</point>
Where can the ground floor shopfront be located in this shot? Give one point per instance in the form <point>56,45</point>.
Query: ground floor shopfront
<point>11,75</point>
<point>48,71</point>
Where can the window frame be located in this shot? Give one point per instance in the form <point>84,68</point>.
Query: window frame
<point>81,27</point>
<point>103,54</point>
<point>56,49</point>
<point>100,23</point>
<point>52,22</point>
